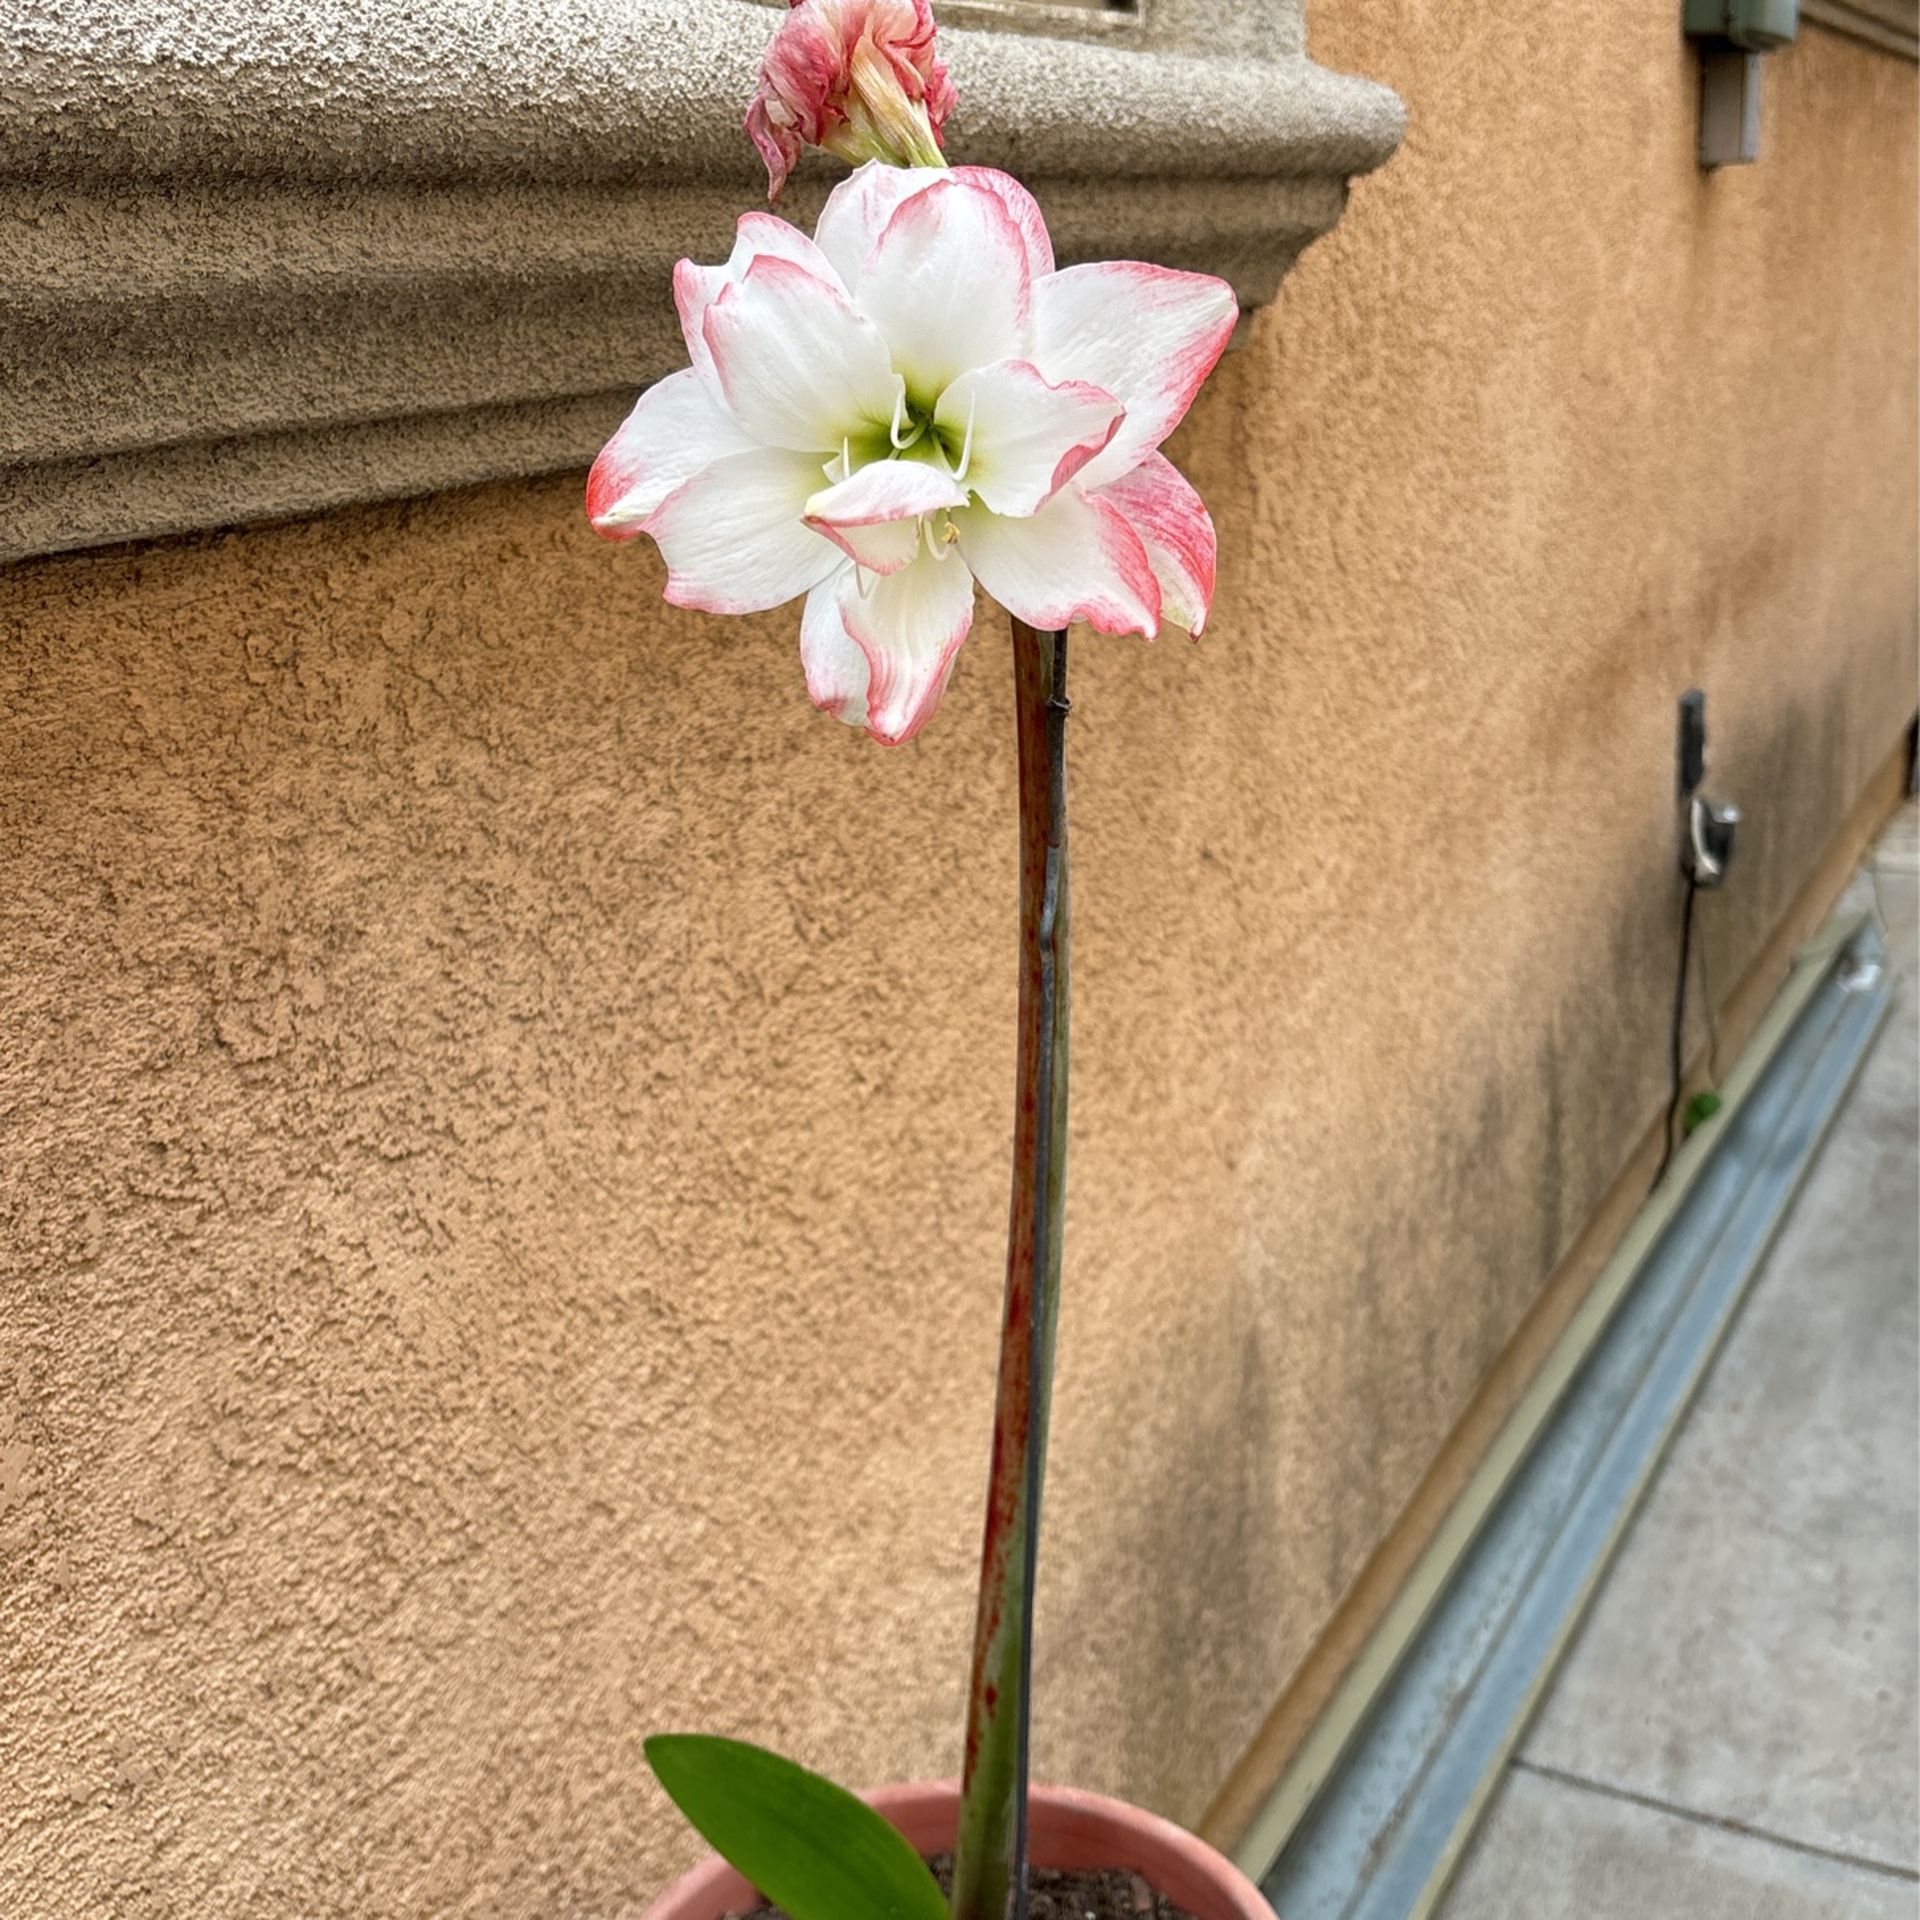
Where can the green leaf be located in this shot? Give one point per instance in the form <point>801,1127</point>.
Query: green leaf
<point>809,1846</point>
<point>1700,1109</point>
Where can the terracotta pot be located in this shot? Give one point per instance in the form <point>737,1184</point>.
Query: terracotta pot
<point>1067,1829</point>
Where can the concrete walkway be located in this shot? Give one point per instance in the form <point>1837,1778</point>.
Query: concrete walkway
<point>1736,1734</point>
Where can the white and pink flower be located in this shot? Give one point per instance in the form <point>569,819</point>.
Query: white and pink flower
<point>859,78</point>
<point>913,400</point>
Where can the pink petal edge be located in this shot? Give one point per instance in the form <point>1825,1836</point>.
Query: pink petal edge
<point>1158,501</point>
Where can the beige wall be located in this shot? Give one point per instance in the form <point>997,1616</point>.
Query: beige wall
<point>503,1110</point>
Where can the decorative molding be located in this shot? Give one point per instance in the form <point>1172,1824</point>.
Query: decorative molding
<point>267,258</point>
<point>1891,25</point>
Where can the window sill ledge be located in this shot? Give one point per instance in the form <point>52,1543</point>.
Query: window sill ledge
<point>266,267</point>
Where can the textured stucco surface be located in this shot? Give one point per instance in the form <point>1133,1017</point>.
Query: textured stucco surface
<point>503,1110</point>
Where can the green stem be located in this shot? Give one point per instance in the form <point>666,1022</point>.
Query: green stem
<point>991,1852</point>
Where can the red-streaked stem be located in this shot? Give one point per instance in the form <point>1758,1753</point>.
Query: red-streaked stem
<point>991,1853</point>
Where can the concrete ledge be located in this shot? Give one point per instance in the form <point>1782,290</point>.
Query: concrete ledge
<point>1891,25</point>
<point>265,262</point>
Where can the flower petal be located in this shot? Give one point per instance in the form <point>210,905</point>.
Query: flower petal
<point>948,286</point>
<point>695,288</point>
<point>734,537</point>
<point>676,428</point>
<point>910,626</point>
<point>771,129</point>
<point>797,365</point>
<point>1024,437</point>
<point>1076,559</point>
<point>858,209</point>
<point>1177,532</point>
<point>759,235</point>
<point>835,667</point>
<point>1024,208</point>
<point>1147,334</point>
<point>874,517</point>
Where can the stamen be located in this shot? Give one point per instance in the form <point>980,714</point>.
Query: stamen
<point>966,448</point>
<point>940,546</point>
<point>893,430</point>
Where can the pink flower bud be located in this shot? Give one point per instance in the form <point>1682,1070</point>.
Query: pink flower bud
<point>857,77</point>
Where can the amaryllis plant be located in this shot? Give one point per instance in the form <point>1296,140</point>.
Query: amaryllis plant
<point>914,401</point>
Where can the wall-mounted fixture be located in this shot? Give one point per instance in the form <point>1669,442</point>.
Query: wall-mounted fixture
<point>1706,847</point>
<point>1732,36</point>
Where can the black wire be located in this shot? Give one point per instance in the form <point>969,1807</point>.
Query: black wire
<point>1706,1008</point>
<point>1677,1039</point>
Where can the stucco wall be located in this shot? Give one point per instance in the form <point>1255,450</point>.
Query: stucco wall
<point>503,1110</point>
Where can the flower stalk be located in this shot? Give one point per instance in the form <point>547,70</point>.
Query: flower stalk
<point>990,1864</point>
